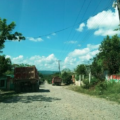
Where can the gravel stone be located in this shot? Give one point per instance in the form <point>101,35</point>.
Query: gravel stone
<point>58,103</point>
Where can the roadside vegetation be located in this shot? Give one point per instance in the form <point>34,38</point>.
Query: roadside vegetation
<point>106,61</point>
<point>107,90</point>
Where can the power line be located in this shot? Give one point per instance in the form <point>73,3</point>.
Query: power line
<point>85,13</point>
<point>89,31</point>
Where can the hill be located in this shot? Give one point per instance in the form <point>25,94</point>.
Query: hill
<point>48,72</point>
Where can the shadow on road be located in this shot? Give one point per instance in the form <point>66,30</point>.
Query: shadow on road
<point>44,90</point>
<point>26,98</point>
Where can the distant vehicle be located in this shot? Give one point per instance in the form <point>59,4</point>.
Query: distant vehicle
<point>56,81</point>
<point>26,79</point>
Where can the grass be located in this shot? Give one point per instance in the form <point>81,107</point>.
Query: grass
<point>7,95</point>
<point>108,91</point>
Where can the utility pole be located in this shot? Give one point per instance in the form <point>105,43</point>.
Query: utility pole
<point>59,65</point>
<point>118,6</point>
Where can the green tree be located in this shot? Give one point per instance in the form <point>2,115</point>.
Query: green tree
<point>66,77</point>
<point>81,69</point>
<point>97,67</point>
<point>110,54</point>
<point>5,32</point>
<point>66,70</point>
<point>24,65</point>
<point>5,64</point>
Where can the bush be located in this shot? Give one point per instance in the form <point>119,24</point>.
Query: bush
<point>101,88</point>
<point>92,83</point>
<point>66,78</point>
<point>77,77</point>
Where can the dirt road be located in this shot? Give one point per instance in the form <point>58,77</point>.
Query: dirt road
<point>58,103</point>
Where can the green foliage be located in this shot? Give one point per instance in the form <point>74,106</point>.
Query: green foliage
<point>110,54</point>
<point>9,72</point>
<point>81,69</point>
<point>23,65</point>
<point>56,74</point>
<point>107,90</point>
<point>77,77</point>
<point>5,64</point>
<point>92,83</point>
<point>41,78</point>
<point>101,88</point>
<point>66,70</point>
<point>48,78</point>
<point>5,32</point>
<point>66,77</point>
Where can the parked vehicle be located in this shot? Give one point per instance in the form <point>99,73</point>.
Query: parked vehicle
<point>26,79</point>
<point>56,81</point>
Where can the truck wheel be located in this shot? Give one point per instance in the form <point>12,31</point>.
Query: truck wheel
<point>33,88</point>
<point>17,88</point>
<point>36,87</point>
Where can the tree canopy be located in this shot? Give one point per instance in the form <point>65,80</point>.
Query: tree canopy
<point>5,64</point>
<point>81,69</point>
<point>109,56</point>
<point>6,32</point>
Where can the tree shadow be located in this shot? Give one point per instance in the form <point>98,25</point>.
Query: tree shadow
<point>15,98</point>
<point>44,90</point>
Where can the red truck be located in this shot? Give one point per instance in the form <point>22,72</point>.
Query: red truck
<point>56,81</point>
<point>26,79</point>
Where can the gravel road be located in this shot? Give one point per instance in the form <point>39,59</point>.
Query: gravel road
<point>58,103</point>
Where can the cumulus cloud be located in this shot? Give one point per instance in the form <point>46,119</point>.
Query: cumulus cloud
<point>35,39</point>
<point>79,56</point>
<point>79,52</point>
<point>7,56</point>
<point>19,59</point>
<point>70,42</point>
<point>81,26</point>
<point>104,23</point>
<point>49,62</point>
<point>90,46</point>
<point>41,62</point>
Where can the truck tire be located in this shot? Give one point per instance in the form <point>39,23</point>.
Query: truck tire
<point>33,88</point>
<point>36,87</point>
<point>17,88</point>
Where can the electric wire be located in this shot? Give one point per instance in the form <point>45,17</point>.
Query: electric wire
<point>89,32</point>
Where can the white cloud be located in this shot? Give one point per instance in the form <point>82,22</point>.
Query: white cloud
<point>35,39</point>
<point>18,59</point>
<point>79,56</point>
<point>104,23</point>
<point>71,42</point>
<point>49,62</point>
<point>79,52</point>
<point>90,46</point>
<point>53,33</point>
<point>7,56</point>
<point>48,37</point>
<point>81,26</point>
<point>41,62</point>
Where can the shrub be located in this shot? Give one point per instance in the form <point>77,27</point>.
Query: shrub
<point>66,77</point>
<point>101,88</point>
<point>92,83</point>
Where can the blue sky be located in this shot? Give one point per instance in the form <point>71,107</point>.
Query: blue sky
<point>66,30</point>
